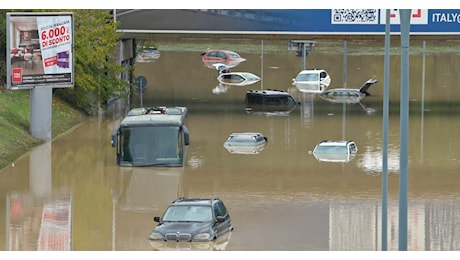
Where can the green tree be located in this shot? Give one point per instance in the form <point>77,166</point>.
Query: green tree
<point>2,48</point>
<point>97,74</point>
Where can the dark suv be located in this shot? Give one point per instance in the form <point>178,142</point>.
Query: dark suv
<point>192,219</point>
<point>269,101</point>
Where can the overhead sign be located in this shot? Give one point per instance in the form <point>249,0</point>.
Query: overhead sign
<point>285,21</point>
<point>40,50</point>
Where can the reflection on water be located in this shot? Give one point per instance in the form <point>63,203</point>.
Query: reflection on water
<point>220,244</point>
<point>43,224</point>
<point>280,199</point>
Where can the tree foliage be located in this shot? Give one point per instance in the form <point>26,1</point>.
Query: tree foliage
<point>2,48</point>
<point>97,75</point>
<point>97,72</point>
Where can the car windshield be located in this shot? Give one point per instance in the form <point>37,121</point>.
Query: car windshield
<point>241,140</point>
<point>308,77</point>
<point>233,55</point>
<point>330,149</point>
<point>193,213</point>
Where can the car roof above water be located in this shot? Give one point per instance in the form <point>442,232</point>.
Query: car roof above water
<point>269,92</point>
<point>334,143</point>
<point>194,201</point>
<point>250,136</point>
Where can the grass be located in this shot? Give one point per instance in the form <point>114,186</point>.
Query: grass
<point>15,137</point>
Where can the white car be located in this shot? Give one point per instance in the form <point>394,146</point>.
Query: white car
<point>238,78</point>
<point>348,95</point>
<point>245,143</point>
<point>335,151</point>
<point>312,81</point>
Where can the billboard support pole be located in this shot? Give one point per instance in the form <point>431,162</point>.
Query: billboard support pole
<point>40,112</point>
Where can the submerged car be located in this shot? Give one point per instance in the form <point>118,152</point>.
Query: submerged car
<point>335,151</point>
<point>192,220</point>
<point>245,143</point>
<point>230,58</point>
<point>312,81</point>
<point>269,102</point>
<point>348,95</point>
<point>148,54</point>
<point>238,78</point>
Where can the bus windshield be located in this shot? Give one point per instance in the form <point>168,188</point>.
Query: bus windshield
<point>151,146</point>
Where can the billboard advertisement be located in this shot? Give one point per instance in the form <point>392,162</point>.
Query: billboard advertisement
<point>39,50</point>
<point>287,21</point>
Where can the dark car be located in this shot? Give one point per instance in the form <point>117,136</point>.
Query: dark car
<point>192,220</point>
<point>269,102</point>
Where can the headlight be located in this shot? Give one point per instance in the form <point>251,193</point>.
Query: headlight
<point>202,237</point>
<point>156,236</point>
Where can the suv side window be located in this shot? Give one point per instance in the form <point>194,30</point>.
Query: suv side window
<point>352,147</point>
<point>219,209</point>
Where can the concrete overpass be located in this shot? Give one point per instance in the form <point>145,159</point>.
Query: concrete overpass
<point>148,24</point>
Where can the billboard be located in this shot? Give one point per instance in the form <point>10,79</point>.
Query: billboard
<point>287,21</point>
<point>39,50</point>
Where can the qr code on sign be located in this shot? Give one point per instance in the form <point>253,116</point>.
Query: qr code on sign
<point>354,16</point>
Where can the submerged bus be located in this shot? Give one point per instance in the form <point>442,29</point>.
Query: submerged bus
<point>153,136</point>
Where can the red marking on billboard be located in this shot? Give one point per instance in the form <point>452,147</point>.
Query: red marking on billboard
<point>16,75</point>
<point>418,14</point>
<point>51,61</point>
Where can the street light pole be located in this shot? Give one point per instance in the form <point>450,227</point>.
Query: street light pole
<point>386,79</point>
<point>405,15</point>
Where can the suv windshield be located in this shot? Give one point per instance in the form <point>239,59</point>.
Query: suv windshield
<point>188,213</point>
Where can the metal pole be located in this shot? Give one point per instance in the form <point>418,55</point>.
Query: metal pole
<point>344,105</point>
<point>262,65</point>
<point>345,64</point>
<point>141,87</point>
<point>404,130</point>
<point>41,100</point>
<point>304,56</point>
<point>386,79</point>
<point>423,99</point>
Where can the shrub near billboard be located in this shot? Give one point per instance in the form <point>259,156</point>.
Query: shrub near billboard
<point>39,50</point>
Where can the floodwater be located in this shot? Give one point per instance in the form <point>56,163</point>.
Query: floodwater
<point>69,194</point>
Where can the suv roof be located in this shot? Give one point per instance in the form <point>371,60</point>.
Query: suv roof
<point>194,201</point>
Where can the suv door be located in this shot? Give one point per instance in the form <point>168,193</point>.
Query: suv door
<point>220,211</point>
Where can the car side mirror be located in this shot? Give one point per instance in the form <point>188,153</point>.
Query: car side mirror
<point>220,219</point>
<point>156,219</point>
<point>113,141</point>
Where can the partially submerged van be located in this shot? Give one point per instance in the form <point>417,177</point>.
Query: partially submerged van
<point>269,102</point>
<point>154,136</point>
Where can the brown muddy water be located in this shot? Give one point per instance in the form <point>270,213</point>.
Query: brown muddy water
<point>69,194</point>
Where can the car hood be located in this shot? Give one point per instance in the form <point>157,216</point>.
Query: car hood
<point>183,227</point>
